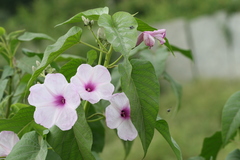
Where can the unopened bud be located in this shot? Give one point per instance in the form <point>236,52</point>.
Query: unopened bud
<point>38,63</point>
<point>101,34</point>
<point>85,21</point>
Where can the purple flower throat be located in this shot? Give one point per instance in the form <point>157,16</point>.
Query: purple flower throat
<point>89,87</point>
<point>125,113</point>
<point>60,101</point>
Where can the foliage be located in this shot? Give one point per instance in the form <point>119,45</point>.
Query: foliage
<point>137,78</point>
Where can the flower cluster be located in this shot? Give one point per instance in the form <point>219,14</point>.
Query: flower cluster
<point>148,37</point>
<point>56,100</point>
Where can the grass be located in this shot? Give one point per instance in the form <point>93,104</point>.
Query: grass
<point>199,117</point>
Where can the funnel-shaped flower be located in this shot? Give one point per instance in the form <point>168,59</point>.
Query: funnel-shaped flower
<point>148,37</point>
<point>7,140</point>
<point>55,101</point>
<point>118,116</point>
<point>93,83</point>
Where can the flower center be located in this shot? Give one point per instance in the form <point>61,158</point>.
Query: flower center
<point>125,113</point>
<point>60,101</point>
<point>89,87</point>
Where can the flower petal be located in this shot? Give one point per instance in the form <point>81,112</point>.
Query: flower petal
<point>55,83</point>
<point>148,40</point>
<point>7,140</point>
<point>105,90</point>
<point>140,39</point>
<point>66,119</point>
<point>84,72</point>
<point>127,130</point>
<point>46,116</point>
<point>113,117</point>
<point>40,96</point>
<point>100,75</point>
<point>71,96</point>
<point>119,101</point>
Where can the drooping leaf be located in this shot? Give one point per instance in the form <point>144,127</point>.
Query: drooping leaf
<point>28,36</point>
<point>31,146</point>
<point>163,129</point>
<point>70,68</point>
<point>142,26</point>
<point>71,38</point>
<point>92,14</point>
<point>140,84</point>
<point>187,53</point>
<point>91,56</point>
<point>211,146</point>
<point>21,123</point>
<point>120,30</point>
<point>157,58</point>
<point>177,88</point>
<point>234,155</point>
<point>13,41</point>
<point>230,117</point>
<point>75,143</point>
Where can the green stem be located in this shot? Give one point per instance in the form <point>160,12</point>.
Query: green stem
<point>96,114</point>
<point>108,57</point>
<point>89,45</point>
<point>101,45</point>
<point>112,64</point>
<point>100,58</point>
<point>86,107</point>
<point>97,119</point>
<point>10,98</point>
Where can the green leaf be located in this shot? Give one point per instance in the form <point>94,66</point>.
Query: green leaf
<point>142,26</point>
<point>196,158</point>
<point>157,58</point>
<point>70,68</point>
<point>120,30</point>
<point>30,147</point>
<point>234,155</point>
<point>21,123</point>
<point>163,129</point>
<point>30,53</point>
<point>168,45</point>
<point>7,71</point>
<point>2,31</point>
<point>211,146</point>
<point>127,147</point>
<point>91,56</point>
<point>51,155</point>
<point>187,53</point>
<point>28,36</point>
<point>98,132</point>
<point>177,88</point>
<point>68,57</point>
<point>75,143</point>
<point>71,38</point>
<point>3,85</point>
<point>230,117</point>
<point>92,14</point>
<point>25,63</point>
<point>140,84</point>
<point>13,41</point>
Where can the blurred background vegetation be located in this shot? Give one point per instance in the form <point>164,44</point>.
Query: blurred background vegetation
<point>202,101</point>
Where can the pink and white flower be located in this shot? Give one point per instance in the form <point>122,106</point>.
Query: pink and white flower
<point>148,37</point>
<point>7,140</point>
<point>118,116</point>
<point>55,101</point>
<point>93,83</point>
